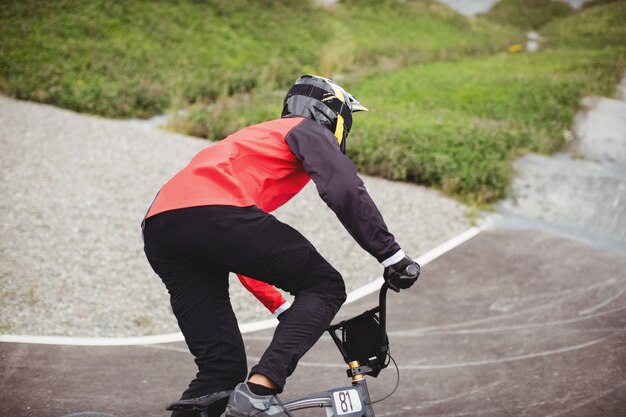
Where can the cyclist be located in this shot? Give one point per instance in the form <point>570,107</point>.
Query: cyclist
<point>212,218</point>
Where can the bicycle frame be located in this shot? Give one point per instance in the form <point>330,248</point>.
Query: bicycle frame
<point>351,401</point>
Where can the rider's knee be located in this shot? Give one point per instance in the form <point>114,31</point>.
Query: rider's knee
<point>339,289</point>
<point>329,283</point>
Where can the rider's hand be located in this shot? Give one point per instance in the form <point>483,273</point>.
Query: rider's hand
<point>402,274</point>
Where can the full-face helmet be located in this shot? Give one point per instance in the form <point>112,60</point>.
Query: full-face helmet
<point>323,100</point>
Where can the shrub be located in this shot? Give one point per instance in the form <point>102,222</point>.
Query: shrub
<point>528,14</point>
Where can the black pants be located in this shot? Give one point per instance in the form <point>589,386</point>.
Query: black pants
<point>194,249</point>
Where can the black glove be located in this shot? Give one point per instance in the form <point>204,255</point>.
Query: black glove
<point>402,274</point>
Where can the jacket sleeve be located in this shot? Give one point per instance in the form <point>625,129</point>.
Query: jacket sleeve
<point>267,294</point>
<point>338,184</point>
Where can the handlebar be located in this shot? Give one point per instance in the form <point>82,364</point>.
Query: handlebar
<point>404,278</point>
<point>382,311</point>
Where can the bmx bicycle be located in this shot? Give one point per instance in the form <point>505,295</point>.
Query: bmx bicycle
<point>363,343</point>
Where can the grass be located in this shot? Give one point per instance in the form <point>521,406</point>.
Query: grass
<point>449,106</point>
<point>594,3</point>
<point>457,125</point>
<point>145,323</point>
<point>598,27</point>
<point>140,58</point>
<point>122,59</point>
<point>6,328</point>
<point>418,31</point>
<point>528,14</point>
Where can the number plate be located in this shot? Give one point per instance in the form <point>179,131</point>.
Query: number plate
<point>347,402</point>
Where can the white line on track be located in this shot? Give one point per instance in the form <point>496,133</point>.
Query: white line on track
<point>498,360</point>
<point>244,328</point>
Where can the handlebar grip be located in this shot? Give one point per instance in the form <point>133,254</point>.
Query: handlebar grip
<point>412,270</point>
<point>405,278</point>
<point>410,273</point>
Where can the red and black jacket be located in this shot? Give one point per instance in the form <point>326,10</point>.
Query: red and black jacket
<point>265,165</point>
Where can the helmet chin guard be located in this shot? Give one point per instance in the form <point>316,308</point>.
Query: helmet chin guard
<point>326,102</point>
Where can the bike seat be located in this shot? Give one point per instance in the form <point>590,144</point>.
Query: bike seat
<point>199,403</point>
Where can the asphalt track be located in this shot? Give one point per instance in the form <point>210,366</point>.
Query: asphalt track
<point>510,323</point>
<point>525,319</point>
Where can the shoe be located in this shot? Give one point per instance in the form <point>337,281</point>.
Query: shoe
<point>244,403</point>
<point>198,403</point>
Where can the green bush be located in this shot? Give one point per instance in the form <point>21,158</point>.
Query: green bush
<point>218,119</point>
<point>456,125</point>
<point>594,3</point>
<point>396,33</point>
<point>593,28</point>
<point>134,58</point>
<point>449,108</point>
<point>137,58</point>
<point>528,14</point>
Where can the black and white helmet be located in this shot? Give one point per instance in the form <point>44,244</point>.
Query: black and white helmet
<point>323,100</point>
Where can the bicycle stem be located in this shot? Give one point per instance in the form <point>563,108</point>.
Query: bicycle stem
<point>358,380</point>
<point>358,376</point>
